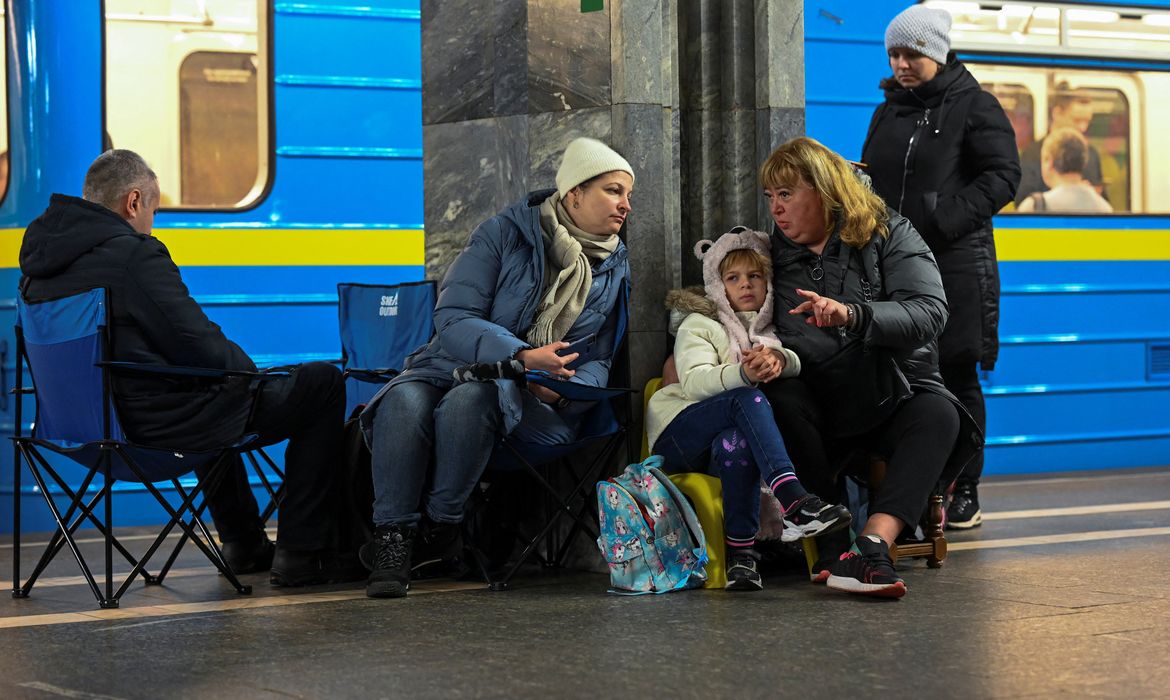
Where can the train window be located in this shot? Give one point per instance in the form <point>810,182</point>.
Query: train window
<point>1090,112</point>
<point>187,87</point>
<point>1050,28</point>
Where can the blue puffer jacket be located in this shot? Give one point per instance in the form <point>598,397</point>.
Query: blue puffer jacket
<point>488,301</point>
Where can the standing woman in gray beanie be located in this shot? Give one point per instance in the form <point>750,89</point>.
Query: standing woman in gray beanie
<point>941,152</point>
<point>546,271</point>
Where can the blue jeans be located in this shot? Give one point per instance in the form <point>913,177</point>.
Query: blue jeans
<point>458,428</point>
<point>732,436</point>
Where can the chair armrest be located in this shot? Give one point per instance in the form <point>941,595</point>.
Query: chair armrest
<point>370,376</point>
<point>574,391</point>
<point>178,371</point>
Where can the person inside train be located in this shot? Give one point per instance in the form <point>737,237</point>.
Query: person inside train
<point>1062,163</point>
<point>716,420</point>
<point>859,299</point>
<point>104,239</point>
<point>546,271</point>
<point>942,153</point>
<point>1069,110</point>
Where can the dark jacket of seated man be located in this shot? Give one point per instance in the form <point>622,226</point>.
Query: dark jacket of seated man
<point>77,245</point>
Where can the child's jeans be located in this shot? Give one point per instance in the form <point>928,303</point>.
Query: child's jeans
<point>732,436</point>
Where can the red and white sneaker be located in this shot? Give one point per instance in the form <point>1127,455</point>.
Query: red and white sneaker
<point>869,573</point>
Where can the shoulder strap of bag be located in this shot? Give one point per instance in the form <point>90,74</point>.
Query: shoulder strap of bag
<point>1038,201</point>
<point>684,507</point>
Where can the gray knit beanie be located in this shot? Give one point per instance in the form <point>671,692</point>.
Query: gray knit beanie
<point>587,158</point>
<point>921,29</point>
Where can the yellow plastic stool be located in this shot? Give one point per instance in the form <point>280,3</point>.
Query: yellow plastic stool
<point>706,495</point>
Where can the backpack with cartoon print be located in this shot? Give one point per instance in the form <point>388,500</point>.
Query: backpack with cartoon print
<point>650,536</point>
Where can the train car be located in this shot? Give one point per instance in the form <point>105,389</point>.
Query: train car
<point>287,137</point>
<point>1083,378</point>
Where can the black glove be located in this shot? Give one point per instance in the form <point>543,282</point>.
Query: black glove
<point>487,371</point>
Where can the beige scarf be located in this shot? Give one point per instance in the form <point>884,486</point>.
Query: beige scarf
<point>567,272</point>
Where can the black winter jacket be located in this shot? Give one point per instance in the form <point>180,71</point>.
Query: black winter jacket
<point>77,245</point>
<point>944,156</point>
<point>906,314</point>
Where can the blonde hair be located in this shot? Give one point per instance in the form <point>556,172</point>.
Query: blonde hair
<point>844,194</point>
<point>746,256</point>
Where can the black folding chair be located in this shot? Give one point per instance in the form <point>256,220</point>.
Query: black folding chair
<point>65,343</point>
<point>603,428</point>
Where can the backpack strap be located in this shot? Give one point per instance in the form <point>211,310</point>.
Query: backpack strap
<point>1038,201</point>
<point>687,511</point>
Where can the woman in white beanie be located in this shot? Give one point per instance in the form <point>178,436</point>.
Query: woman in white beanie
<point>941,151</point>
<point>545,272</point>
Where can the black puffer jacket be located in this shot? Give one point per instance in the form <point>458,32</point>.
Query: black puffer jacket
<point>77,245</point>
<point>907,311</point>
<point>944,156</point>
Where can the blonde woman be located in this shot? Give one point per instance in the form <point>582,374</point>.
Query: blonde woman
<point>859,299</point>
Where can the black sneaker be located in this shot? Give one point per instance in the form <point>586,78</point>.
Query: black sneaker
<point>963,513</point>
<point>434,544</point>
<point>810,516</point>
<point>869,573</point>
<point>250,555</point>
<point>393,545</point>
<point>309,568</point>
<point>742,574</point>
<point>821,569</point>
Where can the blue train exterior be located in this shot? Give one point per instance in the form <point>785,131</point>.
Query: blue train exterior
<point>1083,379</point>
<point>344,201</point>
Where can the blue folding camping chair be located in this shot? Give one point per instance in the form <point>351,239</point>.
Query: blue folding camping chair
<point>380,325</point>
<point>65,343</point>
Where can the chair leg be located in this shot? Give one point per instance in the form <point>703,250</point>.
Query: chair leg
<point>209,548</point>
<point>934,532</point>
<point>86,513</point>
<point>17,591</point>
<point>65,530</point>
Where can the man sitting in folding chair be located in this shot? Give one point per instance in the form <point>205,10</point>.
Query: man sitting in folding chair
<point>104,240</point>
<point>536,283</point>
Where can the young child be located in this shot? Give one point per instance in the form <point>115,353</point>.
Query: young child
<point>715,420</point>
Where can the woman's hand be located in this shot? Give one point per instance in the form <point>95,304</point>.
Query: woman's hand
<point>545,358</point>
<point>823,311</point>
<point>762,365</point>
<point>544,393</point>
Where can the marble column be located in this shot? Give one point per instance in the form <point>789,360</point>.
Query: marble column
<point>742,94</point>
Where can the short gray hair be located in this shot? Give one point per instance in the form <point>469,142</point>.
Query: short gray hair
<point>114,174</point>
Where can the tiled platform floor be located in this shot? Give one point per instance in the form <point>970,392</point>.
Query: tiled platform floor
<point>1064,592</point>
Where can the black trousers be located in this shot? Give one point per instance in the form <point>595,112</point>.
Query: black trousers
<point>962,378</point>
<point>916,442</point>
<point>308,410</point>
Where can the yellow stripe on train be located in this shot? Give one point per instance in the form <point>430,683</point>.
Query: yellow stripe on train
<point>1035,245</point>
<point>246,247</point>
<point>264,247</point>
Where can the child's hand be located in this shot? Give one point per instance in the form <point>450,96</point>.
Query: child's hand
<point>762,365</point>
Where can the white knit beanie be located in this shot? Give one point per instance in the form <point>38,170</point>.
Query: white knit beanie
<point>921,29</point>
<point>587,158</point>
